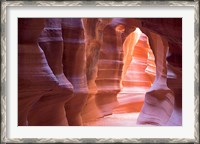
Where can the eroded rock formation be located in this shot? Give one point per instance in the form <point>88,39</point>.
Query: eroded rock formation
<point>41,95</point>
<point>93,38</point>
<point>159,96</point>
<point>135,80</point>
<point>109,68</point>
<point>73,70</point>
<point>162,33</point>
<point>74,65</point>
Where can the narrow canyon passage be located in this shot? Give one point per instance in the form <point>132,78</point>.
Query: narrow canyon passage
<point>137,80</point>
<point>99,71</point>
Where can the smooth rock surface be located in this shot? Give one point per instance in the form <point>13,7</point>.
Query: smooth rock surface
<point>38,87</point>
<point>74,67</point>
<point>73,71</point>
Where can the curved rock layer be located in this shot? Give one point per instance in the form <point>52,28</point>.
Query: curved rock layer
<point>106,45</point>
<point>93,38</point>
<point>109,70</point>
<point>72,70</point>
<point>137,79</point>
<point>51,42</point>
<point>163,98</point>
<point>74,67</point>
<point>41,97</point>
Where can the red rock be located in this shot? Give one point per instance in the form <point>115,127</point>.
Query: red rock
<point>135,80</point>
<point>93,45</point>
<point>159,99</point>
<point>39,92</point>
<point>74,67</point>
<point>84,69</point>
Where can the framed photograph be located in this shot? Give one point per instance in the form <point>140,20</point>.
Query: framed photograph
<point>99,71</point>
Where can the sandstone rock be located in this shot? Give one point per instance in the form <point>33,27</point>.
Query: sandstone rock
<point>170,29</point>
<point>74,67</point>
<point>39,93</point>
<point>51,43</point>
<point>93,45</point>
<point>151,67</point>
<point>135,80</point>
<point>84,69</point>
<point>110,67</point>
<point>159,99</point>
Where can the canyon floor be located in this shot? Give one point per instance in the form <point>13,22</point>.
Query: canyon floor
<point>125,119</point>
<point>129,119</point>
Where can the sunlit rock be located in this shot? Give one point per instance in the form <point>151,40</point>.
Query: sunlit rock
<point>135,80</point>
<point>75,70</point>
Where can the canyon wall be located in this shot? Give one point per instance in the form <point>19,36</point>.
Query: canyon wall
<point>163,104</point>
<point>41,94</point>
<point>93,29</point>
<point>73,70</point>
<point>74,67</point>
<point>138,72</point>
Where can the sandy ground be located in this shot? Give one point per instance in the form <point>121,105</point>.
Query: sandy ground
<point>126,119</point>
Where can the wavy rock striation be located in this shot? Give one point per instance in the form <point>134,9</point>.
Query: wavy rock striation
<point>74,67</point>
<point>73,70</point>
<point>135,79</point>
<point>41,97</point>
<point>162,102</point>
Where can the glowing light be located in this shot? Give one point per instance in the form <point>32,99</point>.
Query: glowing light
<point>120,28</point>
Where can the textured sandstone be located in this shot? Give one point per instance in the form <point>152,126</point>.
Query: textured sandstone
<point>93,45</point>
<point>159,99</point>
<point>41,96</point>
<point>109,67</point>
<point>164,35</point>
<point>51,43</point>
<point>73,70</point>
<point>74,67</point>
<point>135,80</point>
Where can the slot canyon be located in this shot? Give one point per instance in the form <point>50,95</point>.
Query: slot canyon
<point>99,71</point>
